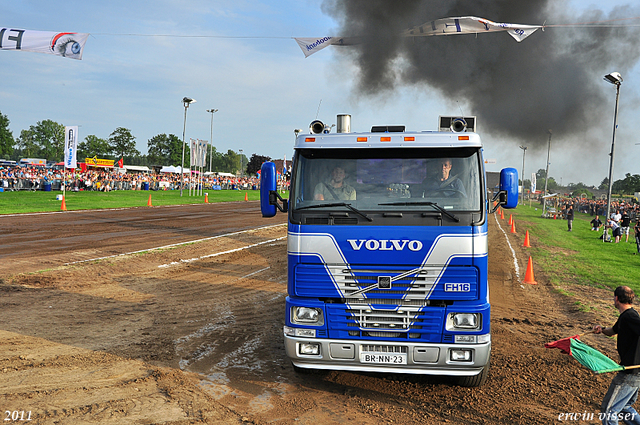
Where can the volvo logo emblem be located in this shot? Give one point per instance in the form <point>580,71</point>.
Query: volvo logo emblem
<point>384,282</point>
<point>385,244</point>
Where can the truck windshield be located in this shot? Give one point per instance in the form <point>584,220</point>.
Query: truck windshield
<point>405,179</point>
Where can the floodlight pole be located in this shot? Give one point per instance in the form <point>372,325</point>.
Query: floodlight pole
<point>524,153</point>
<point>613,141</point>
<point>186,101</point>
<point>546,177</point>
<point>212,111</point>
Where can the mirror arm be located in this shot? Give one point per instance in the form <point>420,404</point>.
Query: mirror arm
<point>501,197</point>
<point>274,196</point>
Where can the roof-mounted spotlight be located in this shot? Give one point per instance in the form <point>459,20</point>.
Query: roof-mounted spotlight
<point>614,78</point>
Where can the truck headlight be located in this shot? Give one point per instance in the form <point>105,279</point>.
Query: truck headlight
<point>307,315</point>
<point>464,321</point>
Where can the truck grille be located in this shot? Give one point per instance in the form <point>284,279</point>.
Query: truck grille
<point>410,285</point>
<point>366,321</point>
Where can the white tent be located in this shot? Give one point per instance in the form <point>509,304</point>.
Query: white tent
<point>138,168</point>
<point>172,169</point>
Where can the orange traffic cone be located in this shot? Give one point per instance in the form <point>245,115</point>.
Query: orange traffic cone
<point>246,198</point>
<point>528,277</point>
<point>526,240</point>
<point>510,219</point>
<point>63,207</point>
<point>501,213</point>
<point>149,202</point>
<point>206,198</point>
<point>513,227</point>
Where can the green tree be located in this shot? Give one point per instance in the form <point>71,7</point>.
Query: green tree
<point>627,186</point>
<point>50,136</point>
<point>123,144</point>
<point>231,162</point>
<point>577,193</point>
<point>27,145</point>
<point>604,184</point>
<point>43,140</point>
<point>255,163</point>
<point>6,137</point>
<point>217,159</point>
<point>93,146</point>
<point>166,150</point>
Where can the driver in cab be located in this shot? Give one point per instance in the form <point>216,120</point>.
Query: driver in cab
<point>334,188</point>
<point>444,184</point>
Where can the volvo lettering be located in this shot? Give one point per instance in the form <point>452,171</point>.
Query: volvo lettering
<point>387,249</point>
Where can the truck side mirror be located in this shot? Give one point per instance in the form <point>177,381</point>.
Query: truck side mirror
<point>269,195</point>
<point>507,196</point>
<point>509,188</point>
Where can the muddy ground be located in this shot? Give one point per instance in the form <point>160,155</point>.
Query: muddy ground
<point>99,327</point>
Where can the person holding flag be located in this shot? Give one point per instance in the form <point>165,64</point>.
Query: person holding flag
<point>623,391</point>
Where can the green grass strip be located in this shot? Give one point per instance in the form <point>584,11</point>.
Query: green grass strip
<point>40,201</point>
<point>577,257</point>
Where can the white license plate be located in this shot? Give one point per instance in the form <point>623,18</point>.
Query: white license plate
<point>383,358</point>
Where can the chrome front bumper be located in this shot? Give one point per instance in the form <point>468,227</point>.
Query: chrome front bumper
<point>426,359</point>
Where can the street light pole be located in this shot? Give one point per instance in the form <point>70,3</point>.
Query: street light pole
<point>546,177</point>
<point>616,79</point>
<point>524,152</point>
<point>212,111</point>
<point>186,101</point>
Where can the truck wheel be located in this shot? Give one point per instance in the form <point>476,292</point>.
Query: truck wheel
<point>474,381</point>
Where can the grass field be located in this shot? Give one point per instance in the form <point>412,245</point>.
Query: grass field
<point>23,202</point>
<point>578,256</point>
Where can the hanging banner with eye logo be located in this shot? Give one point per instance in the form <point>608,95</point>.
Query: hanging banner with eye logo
<point>65,44</point>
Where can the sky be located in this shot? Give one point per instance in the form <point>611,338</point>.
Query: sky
<point>143,57</point>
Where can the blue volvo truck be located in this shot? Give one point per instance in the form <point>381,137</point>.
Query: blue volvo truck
<point>387,249</point>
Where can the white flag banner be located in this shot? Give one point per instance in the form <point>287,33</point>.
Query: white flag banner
<point>203,152</point>
<point>66,44</point>
<point>533,183</point>
<point>70,146</point>
<point>311,45</point>
<point>444,26</point>
<point>194,152</point>
<point>470,25</point>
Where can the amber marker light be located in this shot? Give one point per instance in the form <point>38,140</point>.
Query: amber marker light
<point>309,139</point>
<point>463,137</point>
<point>385,139</point>
<point>361,139</point>
<point>409,139</point>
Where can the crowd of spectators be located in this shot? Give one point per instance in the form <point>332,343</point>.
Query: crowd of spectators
<point>599,207</point>
<point>106,179</point>
<point>618,225</point>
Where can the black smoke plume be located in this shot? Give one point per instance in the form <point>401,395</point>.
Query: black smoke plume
<point>551,80</point>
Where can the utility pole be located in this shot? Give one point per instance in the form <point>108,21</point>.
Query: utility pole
<point>546,177</point>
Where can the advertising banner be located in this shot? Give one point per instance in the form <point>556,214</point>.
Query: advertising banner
<point>65,44</point>
<point>70,146</point>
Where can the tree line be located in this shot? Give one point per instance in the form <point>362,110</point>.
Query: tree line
<point>45,140</point>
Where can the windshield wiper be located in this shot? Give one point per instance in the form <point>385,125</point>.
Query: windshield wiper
<point>431,204</point>
<point>338,204</point>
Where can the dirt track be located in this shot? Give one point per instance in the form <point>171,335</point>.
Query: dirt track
<point>193,333</point>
